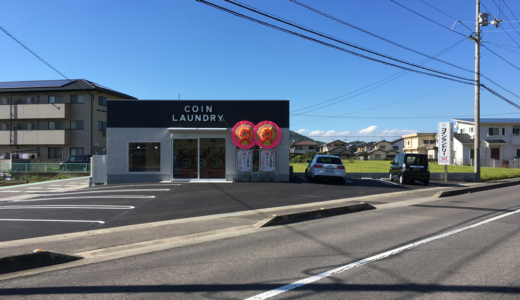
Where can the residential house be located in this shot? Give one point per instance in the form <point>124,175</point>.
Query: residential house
<point>424,143</point>
<point>337,147</point>
<point>381,150</point>
<point>52,119</point>
<point>303,147</point>
<point>398,144</point>
<point>499,138</point>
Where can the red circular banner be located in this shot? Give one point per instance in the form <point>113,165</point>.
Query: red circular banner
<point>267,134</point>
<point>242,134</point>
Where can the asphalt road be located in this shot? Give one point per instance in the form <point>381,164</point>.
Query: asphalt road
<point>477,263</point>
<point>128,204</point>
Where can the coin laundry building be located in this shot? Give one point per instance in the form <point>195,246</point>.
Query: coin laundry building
<point>202,140</point>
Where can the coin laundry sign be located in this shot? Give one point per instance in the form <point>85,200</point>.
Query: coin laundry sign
<point>445,140</point>
<point>198,113</point>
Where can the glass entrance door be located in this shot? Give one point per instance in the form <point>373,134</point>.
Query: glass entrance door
<point>212,158</point>
<point>199,158</point>
<point>185,158</point>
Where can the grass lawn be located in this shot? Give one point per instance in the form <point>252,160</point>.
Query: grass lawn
<point>366,166</point>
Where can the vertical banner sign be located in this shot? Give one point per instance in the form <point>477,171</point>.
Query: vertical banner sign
<point>267,161</point>
<point>445,140</point>
<point>244,160</point>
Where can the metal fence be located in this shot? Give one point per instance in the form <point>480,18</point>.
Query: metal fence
<point>489,163</point>
<point>45,167</point>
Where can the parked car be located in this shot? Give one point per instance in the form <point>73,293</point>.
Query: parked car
<point>78,163</point>
<point>326,167</point>
<point>410,167</point>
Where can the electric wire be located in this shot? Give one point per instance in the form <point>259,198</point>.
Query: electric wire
<point>504,1</point>
<point>428,18</point>
<point>388,79</point>
<point>375,35</point>
<point>504,48</point>
<point>405,117</point>
<point>41,59</point>
<point>333,46</point>
<point>500,57</point>
<point>250,8</point>
<point>472,31</point>
<point>504,15</point>
<point>501,27</point>
<point>500,44</point>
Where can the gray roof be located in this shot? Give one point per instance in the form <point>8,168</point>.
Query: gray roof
<point>490,120</point>
<point>395,141</point>
<point>495,142</point>
<point>464,138</point>
<point>45,86</point>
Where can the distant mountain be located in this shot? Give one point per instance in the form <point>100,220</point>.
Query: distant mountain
<point>296,137</point>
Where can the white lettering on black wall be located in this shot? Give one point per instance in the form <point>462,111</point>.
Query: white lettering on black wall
<point>198,117</point>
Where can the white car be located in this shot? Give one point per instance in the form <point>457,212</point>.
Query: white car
<point>326,167</point>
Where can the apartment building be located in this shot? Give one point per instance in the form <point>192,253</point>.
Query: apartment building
<point>52,119</point>
<point>303,147</point>
<point>423,143</point>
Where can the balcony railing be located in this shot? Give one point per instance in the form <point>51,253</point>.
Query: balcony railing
<point>45,167</point>
<point>35,111</point>
<point>35,137</point>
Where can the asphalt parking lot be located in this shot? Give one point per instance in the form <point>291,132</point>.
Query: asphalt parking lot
<point>54,212</point>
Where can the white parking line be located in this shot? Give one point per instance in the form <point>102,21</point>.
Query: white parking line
<point>358,263</point>
<point>348,181</point>
<point>386,182</point>
<point>10,191</point>
<point>303,178</point>
<point>83,197</point>
<point>67,206</point>
<point>117,191</point>
<point>54,188</point>
<point>38,220</point>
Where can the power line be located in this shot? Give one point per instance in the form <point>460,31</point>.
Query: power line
<point>428,18</point>
<point>504,1</point>
<point>500,44</point>
<point>406,117</point>
<point>447,15</point>
<point>504,15</point>
<point>388,79</point>
<point>375,35</point>
<point>250,8</point>
<point>504,48</point>
<point>458,33</point>
<point>501,27</point>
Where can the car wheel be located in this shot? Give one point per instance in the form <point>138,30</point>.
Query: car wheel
<point>426,182</point>
<point>401,179</point>
<point>390,177</point>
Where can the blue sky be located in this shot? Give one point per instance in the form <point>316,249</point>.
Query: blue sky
<point>160,49</point>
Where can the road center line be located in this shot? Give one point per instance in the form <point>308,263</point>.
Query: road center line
<point>38,220</point>
<point>358,263</point>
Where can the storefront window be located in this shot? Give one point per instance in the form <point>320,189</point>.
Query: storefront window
<point>144,157</point>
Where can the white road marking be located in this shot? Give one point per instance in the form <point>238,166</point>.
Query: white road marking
<point>117,191</point>
<point>38,220</point>
<point>71,185</point>
<point>54,188</point>
<point>10,191</point>
<point>57,185</point>
<point>366,178</point>
<point>358,263</point>
<point>303,178</point>
<point>35,188</point>
<point>67,206</point>
<point>387,182</point>
<point>348,181</point>
<point>83,197</point>
<point>123,186</point>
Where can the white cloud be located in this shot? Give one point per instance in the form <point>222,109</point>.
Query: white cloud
<point>398,132</point>
<point>303,131</point>
<point>328,133</point>
<point>370,129</point>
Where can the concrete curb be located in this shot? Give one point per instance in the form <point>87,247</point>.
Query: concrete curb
<point>312,214</point>
<point>443,194</point>
<point>33,260</point>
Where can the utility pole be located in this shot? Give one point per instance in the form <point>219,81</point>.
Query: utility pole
<point>476,150</point>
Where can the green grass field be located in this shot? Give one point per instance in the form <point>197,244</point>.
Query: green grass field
<point>365,166</point>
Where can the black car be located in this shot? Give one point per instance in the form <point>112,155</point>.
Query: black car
<point>77,163</point>
<point>410,167</point>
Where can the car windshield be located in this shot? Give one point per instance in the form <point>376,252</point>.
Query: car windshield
<point>329,160</point>
<point>72,158</point>
<point>416,160</point>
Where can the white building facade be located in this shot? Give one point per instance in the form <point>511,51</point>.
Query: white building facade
<point>499,139</point>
